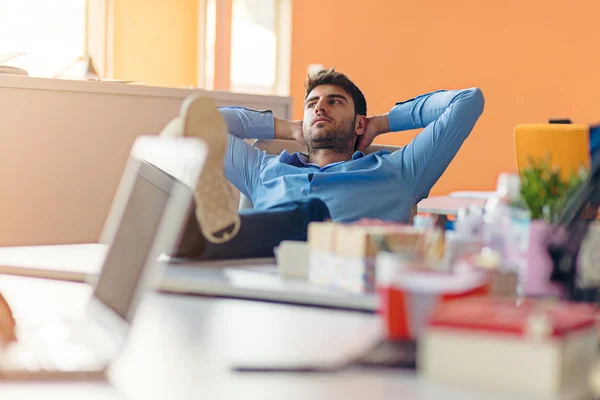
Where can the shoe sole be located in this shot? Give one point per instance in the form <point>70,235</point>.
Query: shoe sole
<point>216,210</point>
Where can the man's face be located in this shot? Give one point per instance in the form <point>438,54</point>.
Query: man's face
<point>329,119</point>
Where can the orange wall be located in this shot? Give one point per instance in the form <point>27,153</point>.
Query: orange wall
<point>533,60</point>
<point>155,41</point>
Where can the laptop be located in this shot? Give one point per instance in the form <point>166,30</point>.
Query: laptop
<point>149,207</point>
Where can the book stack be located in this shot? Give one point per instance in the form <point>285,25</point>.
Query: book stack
<point>527,346</point>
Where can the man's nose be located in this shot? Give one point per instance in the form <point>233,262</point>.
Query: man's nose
<point>320,107</point>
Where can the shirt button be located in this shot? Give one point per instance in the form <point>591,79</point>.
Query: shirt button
<point>314,188</point>
<point>262,114</point>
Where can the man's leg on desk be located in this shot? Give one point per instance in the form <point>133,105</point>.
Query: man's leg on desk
<point>260,232</point>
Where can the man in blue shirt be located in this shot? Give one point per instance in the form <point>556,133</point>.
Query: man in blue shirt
<point>334,178</point>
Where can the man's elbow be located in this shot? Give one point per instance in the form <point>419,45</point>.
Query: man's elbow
<point>474,100</point>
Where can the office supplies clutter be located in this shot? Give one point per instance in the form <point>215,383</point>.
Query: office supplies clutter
<point>530,346</point>
<point>506,227</point>
<point>408,295</point>
<point>342,256</point>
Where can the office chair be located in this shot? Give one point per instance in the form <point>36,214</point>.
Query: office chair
<point>567,144</point>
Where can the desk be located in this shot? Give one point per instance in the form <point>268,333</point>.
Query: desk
<point>182,348</point>
<point>248,279</point>
<point>447,205</point>
<point>45,298</point>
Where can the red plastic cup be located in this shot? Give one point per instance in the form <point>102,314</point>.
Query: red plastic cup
<point>407,295</point>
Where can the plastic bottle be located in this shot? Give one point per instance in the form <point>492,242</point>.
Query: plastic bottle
<point>506,223</point>
<point>464,241</point>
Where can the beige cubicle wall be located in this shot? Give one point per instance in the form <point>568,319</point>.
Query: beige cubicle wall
<point>64,145</point>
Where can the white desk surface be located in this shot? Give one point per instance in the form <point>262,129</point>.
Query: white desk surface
<point>447,205</point>
<point>183,347</point>
<point>70,262</point>
<point>248,279</point>
<point>76,262</point>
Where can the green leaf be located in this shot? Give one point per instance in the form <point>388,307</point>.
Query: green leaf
<point>543,189</point>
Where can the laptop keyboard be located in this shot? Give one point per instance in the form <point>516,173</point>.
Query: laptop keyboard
<point>53,346</point>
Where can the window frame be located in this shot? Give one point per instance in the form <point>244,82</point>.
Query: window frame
<point>222,56</point>
<point>99,35</point>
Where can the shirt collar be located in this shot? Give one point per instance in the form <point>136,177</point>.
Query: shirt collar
<point>301,160</point>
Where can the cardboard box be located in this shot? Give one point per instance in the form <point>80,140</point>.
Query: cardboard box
<point>343,255</point>
<point>321,245</point>
<point>357,247</point>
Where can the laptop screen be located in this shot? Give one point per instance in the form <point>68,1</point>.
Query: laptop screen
<point>133,236</point>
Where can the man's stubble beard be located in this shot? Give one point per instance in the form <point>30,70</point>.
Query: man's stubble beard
<point>340,139</point>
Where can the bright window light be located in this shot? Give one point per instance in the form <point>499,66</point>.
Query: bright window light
<point>51,33</point>
<point>253,45</point>
<point>210,40</point>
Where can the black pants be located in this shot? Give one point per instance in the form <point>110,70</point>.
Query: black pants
<point>260,232</point>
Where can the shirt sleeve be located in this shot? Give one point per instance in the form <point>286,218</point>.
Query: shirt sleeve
<point>447,116</point>
<point>243,162</point>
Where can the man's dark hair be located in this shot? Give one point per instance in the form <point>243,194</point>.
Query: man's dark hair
<point>332,77</point>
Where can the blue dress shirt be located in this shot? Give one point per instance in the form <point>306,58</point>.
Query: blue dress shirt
<point>381,185</point>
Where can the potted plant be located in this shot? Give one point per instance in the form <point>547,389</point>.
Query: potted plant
<point>545,190</point>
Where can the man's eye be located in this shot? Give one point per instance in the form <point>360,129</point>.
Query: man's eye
<point>310,105</point>
<point>334,102</point>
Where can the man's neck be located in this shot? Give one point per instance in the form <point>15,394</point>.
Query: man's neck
<point>323,157</point>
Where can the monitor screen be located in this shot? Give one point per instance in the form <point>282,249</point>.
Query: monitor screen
<point>133,237</point>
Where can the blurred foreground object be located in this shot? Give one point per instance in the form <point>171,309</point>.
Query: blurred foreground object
<point>569,231</point>
<point>535,347</point>
<point>408,295</point>
<point>343,256</point>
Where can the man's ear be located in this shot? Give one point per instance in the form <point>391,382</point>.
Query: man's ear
<point>360,125</point>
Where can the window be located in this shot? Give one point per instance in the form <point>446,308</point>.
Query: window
<point>242,45</point>
<point>257,49</point>
<point>50,33</point>
<point>209,46</point>
<point>253,45</point>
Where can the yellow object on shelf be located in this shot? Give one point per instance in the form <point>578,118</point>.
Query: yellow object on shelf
<point>567,144</point>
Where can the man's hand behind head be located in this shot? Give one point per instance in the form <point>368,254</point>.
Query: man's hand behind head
<point>376,125</point>
<point>298,133</point>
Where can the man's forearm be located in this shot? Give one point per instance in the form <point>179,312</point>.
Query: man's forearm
<point>283,129</point>
<point>380,123</point>
<point>422,110</point>
<point>246,123</point>
<point>447,118</point>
